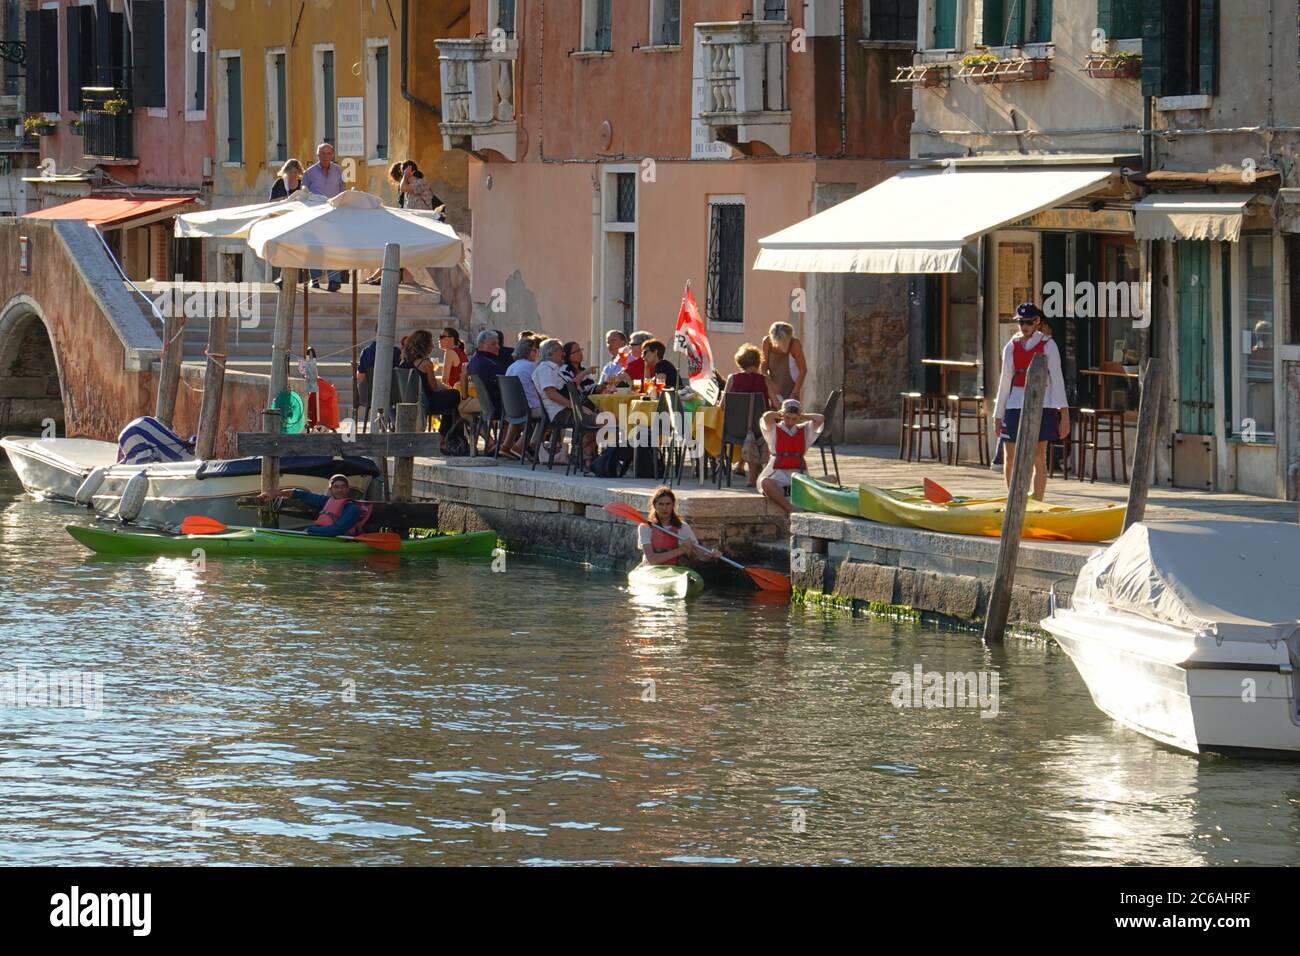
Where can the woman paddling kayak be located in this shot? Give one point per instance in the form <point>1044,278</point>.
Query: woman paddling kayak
<point>659,547</point>
<point>339,516</point>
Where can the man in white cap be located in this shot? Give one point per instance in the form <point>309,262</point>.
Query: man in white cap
<point>789,434</point>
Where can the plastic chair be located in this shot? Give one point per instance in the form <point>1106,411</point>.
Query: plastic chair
<point>740,414</point>
<point>578,427</point>
<point>827,438</point>
<point>486,417</point>
<point>514,408</point>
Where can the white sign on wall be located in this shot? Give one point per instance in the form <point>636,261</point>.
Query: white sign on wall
<point>350,128</point>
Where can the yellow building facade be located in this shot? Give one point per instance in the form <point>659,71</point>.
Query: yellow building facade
<point>288,74</point>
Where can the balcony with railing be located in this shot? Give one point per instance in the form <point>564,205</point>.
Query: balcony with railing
<point>107,124</point>
<point>746,85</point>
<point>478,94</point>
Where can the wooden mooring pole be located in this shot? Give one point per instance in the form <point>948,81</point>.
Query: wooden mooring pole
<point>1013,519</point>
<point>270,464</point>
<point>408,421</point>
<point>169,378</point>
<point>1153,389</point>
<point>214,381</point>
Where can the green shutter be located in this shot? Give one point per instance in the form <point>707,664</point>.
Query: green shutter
<point>1015,27</point>
<point>1004,23</point>
<point>1126,20</point>
<point>945,24</point>
<point>1209,51</point>
<point>73,15</point>
<point>1106,17</point>
<point>1042,32</point>
<point>1153,33</point>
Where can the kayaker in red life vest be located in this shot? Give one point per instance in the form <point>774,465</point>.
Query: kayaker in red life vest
<point>1034,338</point>
<point>340,516</point>
<point>658,547</point>
<point>789,434</point>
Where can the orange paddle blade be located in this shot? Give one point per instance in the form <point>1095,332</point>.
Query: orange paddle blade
<point>936,492</point>
<point>381,540</point>
<point>199,524</point>
<point>621,509</point>
<point>769,580</point>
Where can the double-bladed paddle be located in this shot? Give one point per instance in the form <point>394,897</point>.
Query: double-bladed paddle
<point>379,541</point>
<point>766,580</point>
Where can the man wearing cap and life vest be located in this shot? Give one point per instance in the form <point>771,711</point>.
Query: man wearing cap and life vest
<point>1034,338</point>
<point>789,434</point>
<point>340,516</point>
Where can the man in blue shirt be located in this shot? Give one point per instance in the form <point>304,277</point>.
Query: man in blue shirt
<point>324,178</point>
<point>339,517</point>
<point>485,364</point>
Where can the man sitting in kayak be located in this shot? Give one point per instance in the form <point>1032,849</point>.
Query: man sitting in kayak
<point>340,516</point>
<point>659,547</point>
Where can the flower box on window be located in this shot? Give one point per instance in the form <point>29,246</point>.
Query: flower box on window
<point>1114,66</point>
<point>38,126</point>
<point>928,76</point>
<point>988,68</point>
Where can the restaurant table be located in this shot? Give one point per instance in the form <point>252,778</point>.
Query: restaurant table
<point>637,403</point>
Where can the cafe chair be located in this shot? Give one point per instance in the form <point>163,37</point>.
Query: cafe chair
<point>1103,431</point>
<point>741,412</point>
<point>1064,456</point>
<point>361,414</point>
<point>555,428</point>
<point>514,410</point>
<point>486,419</point>
<point>577,427</point>
<point>826,439</point>
<point>405,389</point>
<point>922,416</point>
<point>968,418</point>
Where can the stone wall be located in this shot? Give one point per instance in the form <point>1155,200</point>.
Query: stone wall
<point>875,355</point>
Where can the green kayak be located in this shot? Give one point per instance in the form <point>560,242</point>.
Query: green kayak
<point>267,543</point>
<point>668,579</point>
<point>809,494</point>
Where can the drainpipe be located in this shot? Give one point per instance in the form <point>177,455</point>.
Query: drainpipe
<point>844,86</point>
<point>407,94</point>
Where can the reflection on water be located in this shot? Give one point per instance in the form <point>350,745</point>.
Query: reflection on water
<point>431,711</point>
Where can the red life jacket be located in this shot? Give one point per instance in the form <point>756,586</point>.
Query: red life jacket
<point>790,448</point>
<point>1021,358</point>
<point>660,542</point>
<point>333,510</point>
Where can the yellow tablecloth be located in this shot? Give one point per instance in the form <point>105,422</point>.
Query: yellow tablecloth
<point>638,404</point>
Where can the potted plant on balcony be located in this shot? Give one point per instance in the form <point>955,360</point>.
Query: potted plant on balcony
<point>1120,65</point>
<point>116,106</point>
<point>38,126</point>
<point>76,127</point>
<point>978,67</point>
<point>927,76</point>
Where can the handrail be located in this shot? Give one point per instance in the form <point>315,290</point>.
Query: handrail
<point>122,272</point>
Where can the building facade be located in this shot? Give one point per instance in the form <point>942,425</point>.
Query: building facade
<point>622,150</point>
<point>360,76</point>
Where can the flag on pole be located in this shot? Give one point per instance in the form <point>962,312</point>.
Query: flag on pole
<point>691,339</point>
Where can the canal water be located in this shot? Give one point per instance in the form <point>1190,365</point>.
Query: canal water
<point>436,711</point>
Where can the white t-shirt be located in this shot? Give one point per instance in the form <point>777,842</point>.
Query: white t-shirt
<point>548,375</point>
<point>523,369</point>
<point>1013,396</point>
<point>645,530</point>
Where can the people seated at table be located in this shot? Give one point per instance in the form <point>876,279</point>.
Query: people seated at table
<point>339,516</point>
<point>635,370</point>
<point>453,361</point>
<point>749,380</point>
<point>652,354</point>
<point>484,364</point>
<point>551,388</point>
<point>789,434</point>
<point>572,369</point>
<point>522,368</point>
<point>437,398</point>
<point>619,356</point>
<point>783,361</point>
<point>506,354</point>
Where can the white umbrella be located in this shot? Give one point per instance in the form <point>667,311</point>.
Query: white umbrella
<point>234,222</point>
<point>350,232</point>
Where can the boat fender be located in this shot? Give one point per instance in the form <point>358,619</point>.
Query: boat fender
<point>128,509</point>
<point>86,493</point>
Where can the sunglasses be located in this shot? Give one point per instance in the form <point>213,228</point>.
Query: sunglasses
<point>1028,321</point>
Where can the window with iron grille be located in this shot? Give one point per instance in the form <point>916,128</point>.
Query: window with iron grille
<point>13,72</point>
<point>726,294</point>
<point>668,22</point>
<point>381,103</point>
<point>506,16</point>
<point>196,67</point>
<point>327,85</point>
<point>626,211</point>
<point>892,20</point>
<point>281,106</point>
<point>774,9</point>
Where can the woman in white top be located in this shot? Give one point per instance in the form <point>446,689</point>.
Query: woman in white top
<point>1034,338</point>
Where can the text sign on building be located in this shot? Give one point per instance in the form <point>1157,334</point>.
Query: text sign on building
<point>703,146</point>
<point>351,126</point>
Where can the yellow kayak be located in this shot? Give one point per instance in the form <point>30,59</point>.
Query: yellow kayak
<point>1043,521</point>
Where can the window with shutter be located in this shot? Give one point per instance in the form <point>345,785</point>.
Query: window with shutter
<point>381,102</point>
<point>196,62</point>
<point>1208,51</point>
<point>1180,41</point>
<point>327,84</point>
<point>506,16</point>
<point>945,25</point>
<point>1153,48</point>
<point>1004,22</point>
<point>48,84</point>
<point>892,20</point>
<point>73,56</point>
<point>1120,19</point>
<point>1041,29</point>
<point>13,72</point>
<point>234,111</point>
<point>149,85</point>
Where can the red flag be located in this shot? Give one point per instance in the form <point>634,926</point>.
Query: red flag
<point>692,339</point>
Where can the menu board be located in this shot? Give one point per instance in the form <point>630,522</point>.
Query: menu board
<point>1015,278</point>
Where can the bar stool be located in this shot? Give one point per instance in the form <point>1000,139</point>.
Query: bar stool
<point>907,412</point>
<point>1073,449</point>
<point>925,412</point>
<point>1100,430</point>
<point>956,410</point>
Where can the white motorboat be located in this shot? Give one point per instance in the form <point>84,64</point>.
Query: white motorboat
<point>57,468</point>
<point>54,468</point>
<point>1189,632</point>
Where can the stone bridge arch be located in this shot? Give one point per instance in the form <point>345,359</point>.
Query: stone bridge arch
<point>31,380</point>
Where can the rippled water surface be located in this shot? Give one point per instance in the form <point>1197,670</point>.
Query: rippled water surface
<point>435,712</point>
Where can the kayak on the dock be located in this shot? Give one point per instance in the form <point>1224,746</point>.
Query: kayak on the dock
<point>267,543</point>
<point>668,579</point>
<point>910,508</point>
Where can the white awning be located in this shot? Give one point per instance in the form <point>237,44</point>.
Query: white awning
<point>919,220</point>
<point>1215,216</point>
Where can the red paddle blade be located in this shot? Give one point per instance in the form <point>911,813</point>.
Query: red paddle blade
<point>936,492</point>
<point>620,509</point>
<point>200,524</point>
<point>381,540</point>
<point>769,580</point>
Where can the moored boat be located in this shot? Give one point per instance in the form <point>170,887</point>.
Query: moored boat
<point>267,543</point>
<point>668,579</point>
<point>54,468</point>
<point>1189,633</point>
